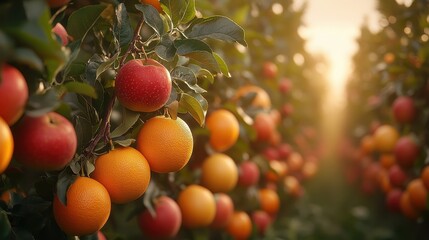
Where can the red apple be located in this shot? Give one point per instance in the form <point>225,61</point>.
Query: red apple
<point>406,151</point>
<point>270,70</point>
<point>57,3</point>
<point>404,110</point>
<point>166,221</point>
<point>261,220</point>
<point>224,210</point>
<point>13,92</point>
<point>287,110</point>
<point>271,153</point>
<point>285,85</point>
<point>248,174</point>
<point>285,150</point>
<point>61,32</point>
<point>397,176</point>
<point>46,143</point>
<point>143,85</point>
<point>264,126</point>
<point>393,200</point>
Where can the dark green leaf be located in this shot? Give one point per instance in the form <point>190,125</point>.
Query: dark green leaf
<point>83,131</point>
<point>23,234</point>
<point>184,74</point>
<point>166,49</point>
<point>206,75</point>
<point>129,118</point>
<point>89,167</point>
<point>5,226</point>
<point>122,28</point>
<point>81,88</point>
<point>188,46</point>
<point>39,104</point>
<point>83,20</point>
<point>124,142</point>
<point>106,65</point>
<point>152,18</point>
<point>29,58</point>
<point>191,105</point>
<point>216,27</point>
<point>181,11</point>
<point>222,65</point>
<point>65,179</point>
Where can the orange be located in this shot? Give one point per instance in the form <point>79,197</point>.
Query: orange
<point>387,160</point>
<point>155,3</point>
<point>384,180</point>
<point>269,200</point>
<point>367,144</point>
<point>6,145</point>
<point>166,143</point>
<point>261,100</point>
<point>239,226</point>
<point>87,210</point>
<point>418,194</point>
<point>124,172</point>
<point>219,173</point>
<point>407,208</point>
<point>197,205</point>
<point>385,138</point>
<point>425,176</point>
<point>224,129</point>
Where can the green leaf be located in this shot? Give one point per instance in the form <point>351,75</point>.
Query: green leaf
<point>124,142</point>
<point>152,18</point>
<point>29,58</point>
<point>129,118</point>
<point>89,167</point>
<point>184,74</point>
<point>166,49</point>
<point>65,180</point>
<point>181,11</point>
<point>122,27</point>
<point>81,88</point>
<point>216,27</point>
<point>191,105</point>
<point>198,51</point>
<point>5,227</point>
<point>206,75</point>
<point>106,65</point>
<point>222,65</point>
<point>83,20</point>
<point>39,104</point>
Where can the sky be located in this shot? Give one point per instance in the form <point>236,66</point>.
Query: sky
<point>331,27</point>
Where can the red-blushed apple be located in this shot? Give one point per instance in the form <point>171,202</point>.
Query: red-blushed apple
<point>285,85</point>
<point>155,3</point>
<point>406,151</point>
<point>275,138</point>
<point>57,3</point>
<point>404,110</point>
<point>61,32</point>
<point>166,221</point>
<point>143,85</point>
<point>393,200</point>
<point>270,70</point>
<point>248,174</point>
<point>397,176</point>
<point>284,150</point>
<point>224,210</point>
<point>47,142</point>
<point>287,110</point>
<point>261,220</point>
<point>271,153</point>
<point>295,162</point>
<point>13,94</point>
<point>264,126</point>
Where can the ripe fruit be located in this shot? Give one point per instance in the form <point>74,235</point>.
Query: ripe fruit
<point>269,200</point>
<point>13,92</point>
<point>101,236</point>
<point>61,32</point>
<point>239,226</point>
<point>46,143</point>
<point>309,169</point>
<point>270,70</point>
<point>155,3</point>
<point>197,205</point>
<point>271,153</point>
<point>143,85</point>
<point>285,150</point>
<point>425,176</point>
<point>261,220</point>
<point>387,160</point>
<point>385,138</point>
<point>264,126</point>
<point>367,144</point>
<point>219,173</point>
<point>224,129</point>
<point>248,174</point>
<point>418,194</point>
<point>292,186</point>
<point>87,210</point>
<point>287,110</point>
<point>6,145</point>
<point>166,221</point>
<point>295,162</point>
<point>261,99</point>
<point>393,200</point>
<point>404,110</point>
<point>57,3</point>
<point>406,151</point>
<point>166,143</point>
<point>224,210</point>
<point>407,208</point>
<point>285,85</point>
<point>277,170</point>
<point>397,176</point>
<point>124,172</point>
